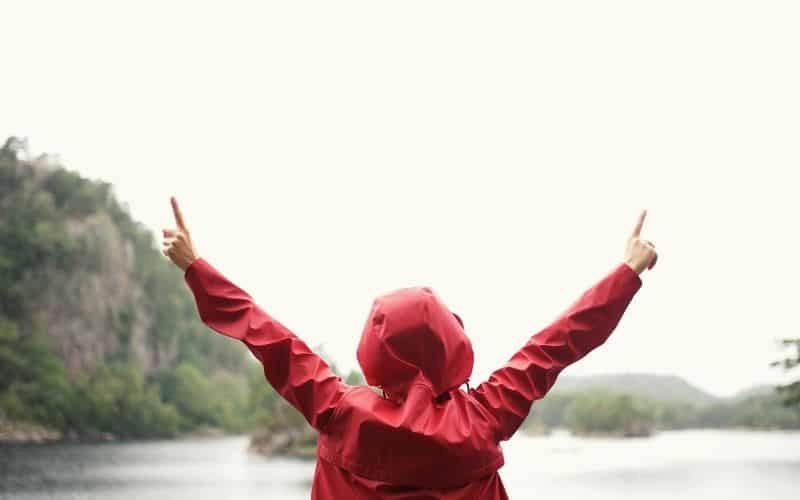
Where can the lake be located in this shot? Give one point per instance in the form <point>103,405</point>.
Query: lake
<point>702,464</point>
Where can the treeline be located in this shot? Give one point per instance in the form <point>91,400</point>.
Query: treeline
<point>118,399</point>
<point>791,391</point>
<point>617,413</point>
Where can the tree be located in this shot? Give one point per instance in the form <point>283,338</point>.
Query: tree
<point>354,378</point>
<point>13,148</point>
<point>790,392</point>
<point>610,413</point>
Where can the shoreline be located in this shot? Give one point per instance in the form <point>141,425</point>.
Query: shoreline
<point>286,443</point>
<point>537,432</point>
<point>24,433</point>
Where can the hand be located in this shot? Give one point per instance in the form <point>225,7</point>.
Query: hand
<point>177,244</point>
<point>640,254</point>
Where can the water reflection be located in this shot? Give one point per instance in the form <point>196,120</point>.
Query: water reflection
<point>692,464</point>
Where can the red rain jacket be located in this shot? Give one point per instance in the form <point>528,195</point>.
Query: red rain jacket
<point>427,439</point>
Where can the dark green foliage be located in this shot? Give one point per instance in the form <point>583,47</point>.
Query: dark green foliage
<point>761,412</point>
<point>608,412</point>
<point>34,386</point>
<point>32,231</point>
<point>354,378</point>
<point>115,399</point>
<point>221,402</point>
<point>53,224</point>
<point>790,392</point>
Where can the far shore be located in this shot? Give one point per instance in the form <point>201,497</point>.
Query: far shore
<point>286,444</point>
<point>13,433</point>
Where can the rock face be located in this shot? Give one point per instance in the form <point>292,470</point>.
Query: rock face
<point>79,269</point>
<point>89,310</point>
<point>99,334</point>
<point>298,443</point>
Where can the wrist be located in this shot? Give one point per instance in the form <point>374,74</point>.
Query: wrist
<point>190,263</point>
<point>638,269</point>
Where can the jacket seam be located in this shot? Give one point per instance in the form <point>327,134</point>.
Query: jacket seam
<point>337,410</point>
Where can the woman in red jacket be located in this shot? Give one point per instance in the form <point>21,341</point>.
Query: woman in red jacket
<point>424,438</point>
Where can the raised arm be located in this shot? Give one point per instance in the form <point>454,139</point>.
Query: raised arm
<point>511,390</point>
<point>294,370</point>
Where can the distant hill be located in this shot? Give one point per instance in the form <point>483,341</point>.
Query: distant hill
<point>667,388</point>
<point>756,390</point>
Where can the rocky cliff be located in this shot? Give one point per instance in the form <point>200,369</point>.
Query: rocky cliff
<point>85,290</point>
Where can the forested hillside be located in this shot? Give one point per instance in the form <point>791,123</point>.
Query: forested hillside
<point>98,332</point>
<point>638,404</point>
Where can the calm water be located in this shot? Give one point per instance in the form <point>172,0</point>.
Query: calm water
<point>707,465</point>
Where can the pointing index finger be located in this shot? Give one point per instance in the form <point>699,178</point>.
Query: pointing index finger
<point>639,223</point>
<point>177,211</point>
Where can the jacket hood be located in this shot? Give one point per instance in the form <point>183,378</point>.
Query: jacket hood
<point>410,338</point>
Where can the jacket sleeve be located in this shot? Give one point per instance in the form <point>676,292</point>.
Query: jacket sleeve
<point>532,371</point>
<point>296,372</point>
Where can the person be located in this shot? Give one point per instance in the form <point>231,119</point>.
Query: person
<point>424,437</point>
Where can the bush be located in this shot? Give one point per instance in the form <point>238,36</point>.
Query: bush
<point>610,413</point>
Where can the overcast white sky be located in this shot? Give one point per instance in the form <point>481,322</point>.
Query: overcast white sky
<point>326,152</point>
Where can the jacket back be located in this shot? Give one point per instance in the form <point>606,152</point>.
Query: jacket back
<point>424,432</point>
